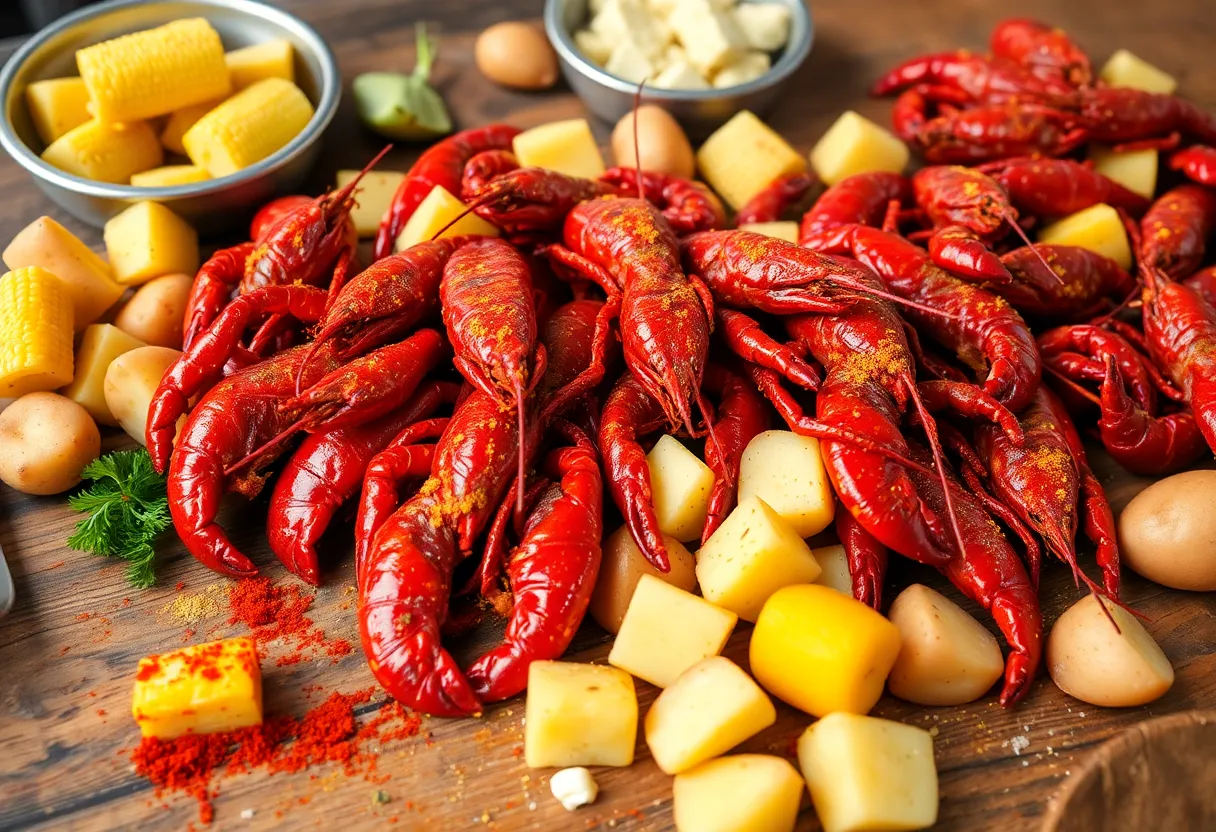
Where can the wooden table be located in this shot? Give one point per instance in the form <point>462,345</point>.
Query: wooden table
<point>65,680</point>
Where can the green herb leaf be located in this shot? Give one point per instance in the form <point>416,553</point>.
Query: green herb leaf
<point>403,106</point>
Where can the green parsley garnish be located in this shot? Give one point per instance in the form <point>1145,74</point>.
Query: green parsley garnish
<point>128,509</point>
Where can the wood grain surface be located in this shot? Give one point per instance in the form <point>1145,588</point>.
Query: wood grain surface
<point>65,677</point>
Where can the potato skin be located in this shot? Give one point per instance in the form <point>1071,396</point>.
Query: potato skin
<point>1167,533</point>
<point>661,142</point>
<point>46,440</point>
<point>156,312</point>
<point>130,381</point>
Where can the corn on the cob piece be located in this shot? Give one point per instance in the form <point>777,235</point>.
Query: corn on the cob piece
<point>35,332</point>
<point>272,59</point>
<point>56,106</point>
<point>743,156</point>
<point>179,121</point>
<point>156,71</point>
<point>168,176</point>
<point>106,152</point>
<point>201,689</point>
<point>248,127</point>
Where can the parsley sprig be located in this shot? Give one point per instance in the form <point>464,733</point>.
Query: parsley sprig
<point>128,509</point>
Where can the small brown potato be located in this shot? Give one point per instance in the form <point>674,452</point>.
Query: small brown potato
<point>1092,661</point>
<point>517,55</point>
<point>661,143</point>
<point>1167,533</point>
<point>155,313</point>
<point>623,565</point>
<point>46,440</point>
<point>131,380</point>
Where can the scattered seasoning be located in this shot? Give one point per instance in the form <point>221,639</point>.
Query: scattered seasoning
<point>180,586</point>
<point>194,607</point>
<point>380,797</point>
<point>278,612</point>
<point>57,564</point>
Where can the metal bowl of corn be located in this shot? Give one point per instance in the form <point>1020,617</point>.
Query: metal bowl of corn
<point>210,204</point>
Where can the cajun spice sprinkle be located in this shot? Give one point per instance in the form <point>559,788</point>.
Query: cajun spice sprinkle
<point>278,612</point>
<point>328,733</point>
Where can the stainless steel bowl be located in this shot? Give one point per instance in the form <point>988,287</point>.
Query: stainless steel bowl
<point>209,205</point>
<point>700,111</point>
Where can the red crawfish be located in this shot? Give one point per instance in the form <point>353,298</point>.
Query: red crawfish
<point>982,80</point>
<point>775,199</point>
<point>482,168</point>
<point>744,337</point>
<point>1204,282</point>
<point>1120,115</point>
<point>1045,50</point>
<point>988,131</point>
<point>269,214</point>
<point>441,165</point>
<point>968,209</point>
<point>687,205</point>
<point>1175,230</point>
<point>1198,162</point>
<point>861,198</point>
<point>1075,284</point>
<point>1044,187</point>
<point>867,558</point>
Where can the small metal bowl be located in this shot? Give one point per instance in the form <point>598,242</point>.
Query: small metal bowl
<point>700,111</point>
<point>210,205</point>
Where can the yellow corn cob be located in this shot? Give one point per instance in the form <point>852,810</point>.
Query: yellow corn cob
<point>35,332</point>
<point>156,71</point>
<point>179,122</point>
<point>56,106</point>
<point>106,152</point>
<point>272,59</point>
<point>169,176</point>
<point>248,127</point>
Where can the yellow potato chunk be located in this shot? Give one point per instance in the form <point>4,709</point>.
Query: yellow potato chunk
<point>680,485</point>
<point>201,689</point>
<point>130,382</point>
<point>1097,228</point>
<point>1124,69</point>
<point>712,707</point>
<point>786,471</point>
<point>623,565</point>
<point>651,649</point>
<point>100,344</point>
<point>169,175</point>
<point>1092,661</point>
<point>946,657</point>
<point>740,793</point>
<point>743,156</point>
<point>866,773</point>
<point>579,715</point>
<point>437,210</point>
<point>787,231</point>
<point>750,556</point>
<point>854,144</point>
<point>148,240</point>
<point>564,146</point>
<point>834,566</point>
<point>180,121</point>
<point>822,651</point>
<point>271,59</point>
<point>57,106</point>
<point>373,197</point>
<point>105,152</point>
<point>88,278</point>
<point>1135,170</point>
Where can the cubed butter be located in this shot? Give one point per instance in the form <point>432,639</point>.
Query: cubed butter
<point>1135,170</point>
<point>269,59</point>
<point>866,773</point>
<point>822,651</point>
<point>710,709</point>
<point>595,46</point>
<point>739,793</point>
<point>579,715</point>
<point>148,240</point>
<point>680,485</point>
<point>564,146</point>
<point>744,156</point>
<point>623,565</point>
<point>744,69</point>
<point>621,21</point>
<point>711,36</point>
<point>57,106</point>
<point>1124,69</point>
<point>100,344</point>
<point>1097,228</point>
<point>628,63</point>
<point>201,689</point>
<point>649,647</point>
<point>750,556</point>
<point>834,569</point>
<point>374,194</point>
<point>765,25</point>
<point>946,657</point>
<point>854,144</point>
<point>680,75</point>
<point>787,472</point>
<point>787,231</point>
<point>436,211</point>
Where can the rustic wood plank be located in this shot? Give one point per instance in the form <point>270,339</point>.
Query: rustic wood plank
<point>61,761</point>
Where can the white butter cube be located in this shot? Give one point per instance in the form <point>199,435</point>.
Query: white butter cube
<point>739,793</point>
<point>661,9</point>
<point>786,470</point>
<point>867,773</point>
<point>854,144</point>
<point>747,68</point>
<point>574,787</point>
<point>629,64</point>
<point>579,715</point>
<point>595,46</point>
<point>649,648</point>
<point>787,231</point>
<point>564,146</point>
<point>680,485</point>
<point>680,75</point>
<point>711,36</point>
<point>765,25</point>
<point>834,565</point>
<point>630,20</point>
<point>1135,170</point>
<point>1126,70</point>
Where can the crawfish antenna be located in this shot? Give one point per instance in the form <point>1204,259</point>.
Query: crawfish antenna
<point>349,188</point>
<point>637,147</point>
<point>935,446</point>
<point>1012,219</point>
<point>520,440</point>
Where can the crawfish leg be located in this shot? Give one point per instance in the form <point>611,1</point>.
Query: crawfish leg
<point>1099,526</point>
<point>212,285</point>
<point>741,416</point>
<point>968,400</point>
<point>867,558</point>
<point>961,252</point>
<point>746,339</point>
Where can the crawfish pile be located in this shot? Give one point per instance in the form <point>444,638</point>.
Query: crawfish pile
<point>474,397</point>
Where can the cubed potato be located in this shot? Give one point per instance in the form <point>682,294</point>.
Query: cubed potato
<point>57,106</point>
<point>854,144</point>
<point>47,244</point>
<point>649,647</point>
<point>866,773</point>
<point>744,156</point>
<point>680,75</point>
<point>822,651</point>
<point>180,121</point>
<point>374,195</point>
<point>105,152</point>
<point>620,21</point>
<point>623,565</point>
<point>629,64</point>
<point>564,146</point>
<point>834,569</point>
<point>680,485</point>
<point>269,59</point>
<point>100,344</point>
<point>711,37</point>
<point>156,312</point>
<point>712,707</point>
<point>579,715</point>
<point>1092,661</point>
<point>1135,170</point>
<point>201,689</point>
<point>946,656</point>
<point>743,70</point>
<point>148,240</point>
<point>787,231</point>
<point>750,556</point>
<point>739,793</point>
<point>131,381</point>
<point>787,472</point>
<point>434,212</point>
<point>169,176</point>
<point>1124,69</point>
<point>1097,228</point>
